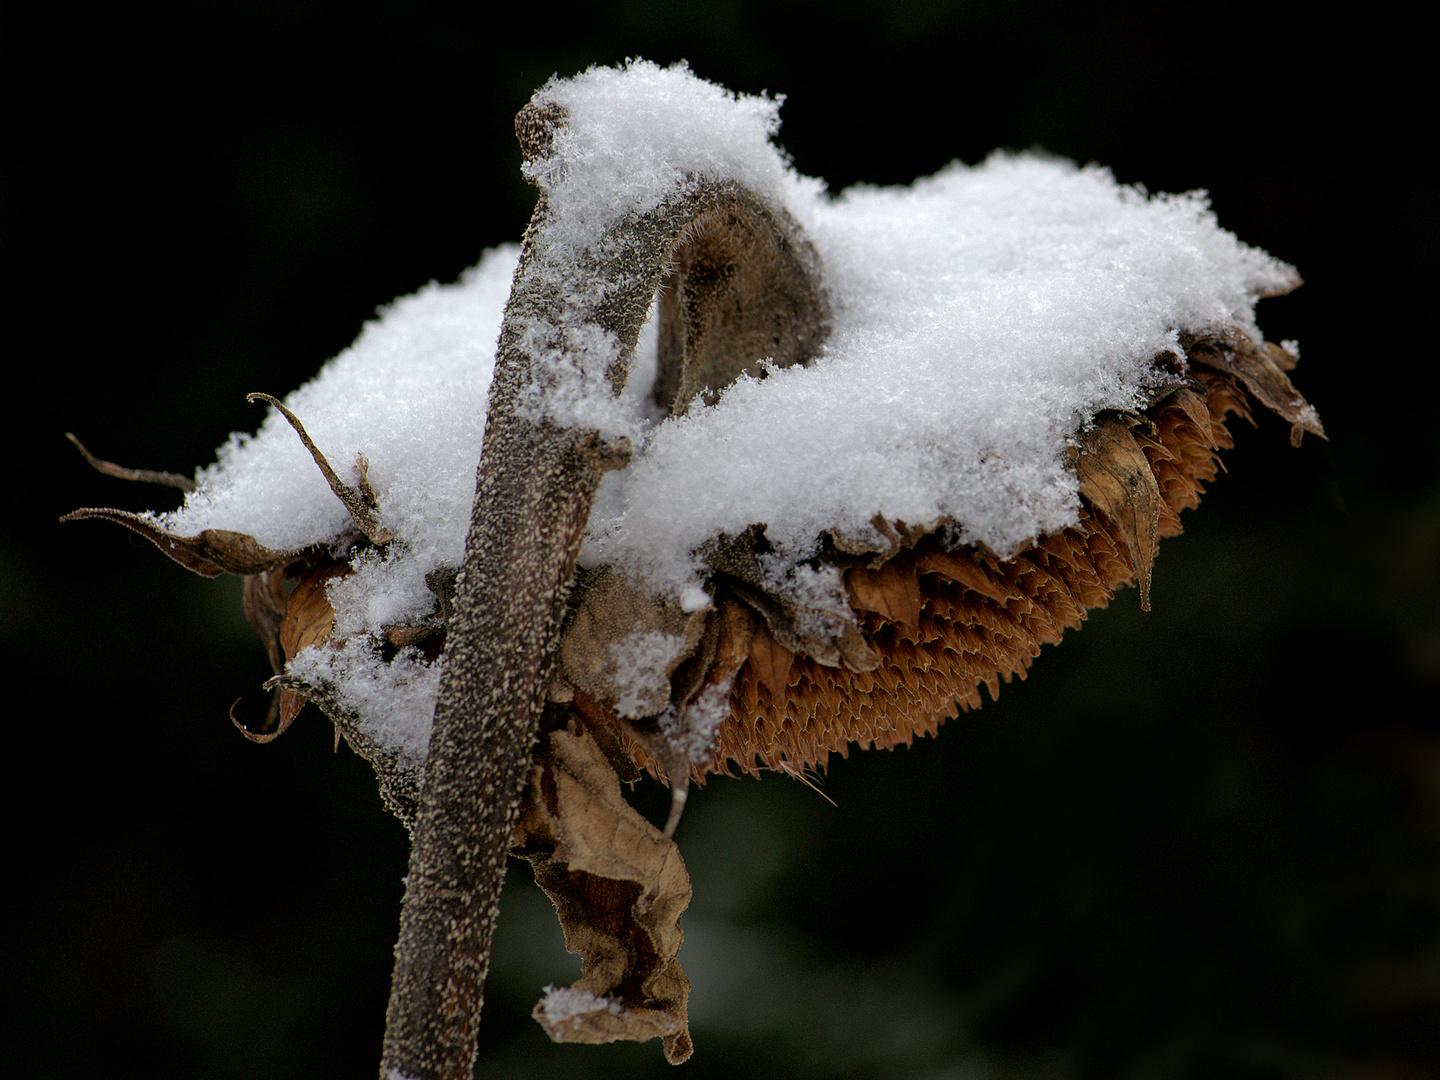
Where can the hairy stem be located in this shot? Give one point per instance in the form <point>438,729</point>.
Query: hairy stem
<point>537,480</point>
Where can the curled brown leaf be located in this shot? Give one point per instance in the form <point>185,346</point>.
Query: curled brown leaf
<point>619,887</point>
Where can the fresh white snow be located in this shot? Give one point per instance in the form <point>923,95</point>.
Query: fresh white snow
<point>982,317</point>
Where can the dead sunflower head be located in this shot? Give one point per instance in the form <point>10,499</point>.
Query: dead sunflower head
<point>782,628</point>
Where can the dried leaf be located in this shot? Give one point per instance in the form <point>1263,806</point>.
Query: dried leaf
<point>1280,356</point>
<point>685,744</point>
<point>619,887</point>
<point>262,598</point>
<point>737,630</point>
<point>892,591</point>
<point>1116,479</point>
<point>578,1016</point>
<point>609,731</point>
<point>210,554</point>
<point>895,536</point>
<point>1257,368</point>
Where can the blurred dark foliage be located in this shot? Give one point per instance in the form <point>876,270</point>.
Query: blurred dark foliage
<point>1199,842</point>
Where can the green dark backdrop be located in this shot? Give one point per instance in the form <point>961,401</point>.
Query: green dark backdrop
<point>1199,842</point>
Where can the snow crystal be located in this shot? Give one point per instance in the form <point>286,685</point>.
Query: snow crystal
<point>695,730</point>
<point>568,1003</point>
<point>640,662</point>
<point>694,599</point>
<point>982,317</point>
<point>394,702</point>
<point>636,135</point>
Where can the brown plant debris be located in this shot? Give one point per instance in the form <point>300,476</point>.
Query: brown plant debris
<point>220,551</point>
<point>210,553</point>
<point>741,286</point>
<point>1261,368</point>
<point>1116,480</point>
<point>619,887</point>
<point>291,611</point>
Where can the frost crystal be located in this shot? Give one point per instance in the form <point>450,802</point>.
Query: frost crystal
<point>640,663</point>
<point>567,1003</point>
<point>693,733</point>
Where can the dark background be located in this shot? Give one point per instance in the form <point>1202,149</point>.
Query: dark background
<point>1198,842</point>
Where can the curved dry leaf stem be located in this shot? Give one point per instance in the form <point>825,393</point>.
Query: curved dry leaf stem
<point>361,503</point>
<point>144,476</point>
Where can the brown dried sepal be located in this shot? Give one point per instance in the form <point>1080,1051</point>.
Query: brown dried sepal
<point>832,636</point>
<point>1117,481</point>
<point>888,591</point>
<point>122,472</point>
<point>219,551</point>
<point>360,500</point>
<point>309,616</point>
<point>611,609</point>
<point>1261,368</point>
<point>741,295</point>
<point>211,553</point>
<point>290,610</point>
<point>619,887</point>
